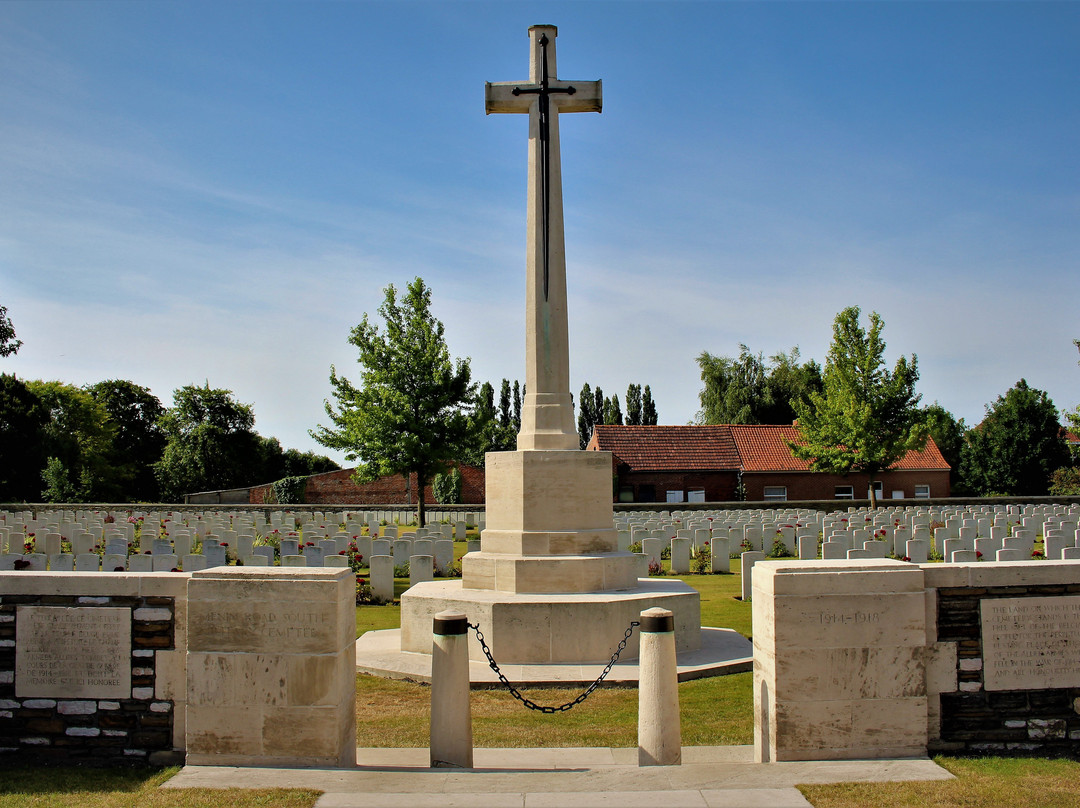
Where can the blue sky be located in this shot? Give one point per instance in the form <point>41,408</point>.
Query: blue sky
<point>217,192</point>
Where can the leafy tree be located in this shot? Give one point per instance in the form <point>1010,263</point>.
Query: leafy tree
<point>1072,417</point>
<point>58,484</point>
<point>410,412</point>
<point>447,487</point>
<point>866,417</point>
<point>80,435</point>
<point>210,443</point>
<point>278,463</point>
<point>1017,446</point>
<point>8,344</point>
<point>23,417</point>
<point>517,407</point>
<point>612,411</point>
<point>506,414</point>
<point>648,408</point>
<point>490,433</point>
<point>633,405</point>
<point>948,433</point>
<point>587,415</point>
<point>1065,482</point>
<point>744,390</point>
<point>138,442</point>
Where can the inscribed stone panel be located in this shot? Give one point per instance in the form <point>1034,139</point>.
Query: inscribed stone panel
<point>71,652</point>
<point>1031,643</point>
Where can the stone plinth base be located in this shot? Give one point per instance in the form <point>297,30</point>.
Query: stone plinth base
<point>550,574</point>
<point>271,667</point>
<point>550,628</point>
<point>840,653</point>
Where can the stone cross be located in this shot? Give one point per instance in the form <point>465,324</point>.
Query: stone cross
<point>547,413</point>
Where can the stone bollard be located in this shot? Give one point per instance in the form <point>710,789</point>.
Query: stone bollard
<point>659,733</point>
<point>451,720</point>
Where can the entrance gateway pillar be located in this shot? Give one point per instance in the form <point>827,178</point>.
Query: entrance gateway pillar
<point>549,583</point>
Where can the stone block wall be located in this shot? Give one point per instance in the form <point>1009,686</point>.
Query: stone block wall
<point>134,713</point>
<point>862,659</point>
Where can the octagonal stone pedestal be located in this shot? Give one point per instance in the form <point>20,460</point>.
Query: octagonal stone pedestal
<point>533,628</point>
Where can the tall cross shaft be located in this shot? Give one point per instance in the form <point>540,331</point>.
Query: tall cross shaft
<point>547,413</point>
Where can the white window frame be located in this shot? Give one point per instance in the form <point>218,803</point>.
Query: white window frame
<point>675,496</point>
<point>849,495</point>
<point>922,491</point>
<point>695,495</point>
<point>779,493</point>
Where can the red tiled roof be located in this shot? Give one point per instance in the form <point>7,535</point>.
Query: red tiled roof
<point>764,448</point>
<point>723,447</point>
<point>669,448</point>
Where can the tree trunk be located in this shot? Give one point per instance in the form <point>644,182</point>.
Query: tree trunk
<point>421,513</point>
<point>872,493</point>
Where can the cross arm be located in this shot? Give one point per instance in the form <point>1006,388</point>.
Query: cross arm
<point>587,97</point>
<point>499,96</point>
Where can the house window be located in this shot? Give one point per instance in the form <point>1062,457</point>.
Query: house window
<point>922,492</point>
<point>647,493</point>
<point>626,493</point>
<point>877,490</point>
<point>695,495</point>
<point>844,492</point>
<point>674,496</point>
<point>775,493</point>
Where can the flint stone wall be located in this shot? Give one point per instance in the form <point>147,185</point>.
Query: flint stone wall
<point>90,671</point>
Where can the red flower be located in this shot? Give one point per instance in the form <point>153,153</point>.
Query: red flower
<point>341,552</point>
<point>905,558</point>
<point>978,553</point>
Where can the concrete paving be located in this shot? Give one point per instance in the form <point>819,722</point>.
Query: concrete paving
<point>722,651</point>
<point>709,777</point>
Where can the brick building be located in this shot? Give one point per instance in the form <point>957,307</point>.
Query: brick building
<point>706,463</point>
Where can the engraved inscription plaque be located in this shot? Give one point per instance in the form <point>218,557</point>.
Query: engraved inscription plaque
<point>72,652</point>
<point>1031,643</point>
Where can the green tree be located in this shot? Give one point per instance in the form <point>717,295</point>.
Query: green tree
<point>517,407</point>
<point>587,415</point>
<point>447,487</point>
<point>8,344</point>
<point>23,417</point>
<point>866,417</point>
<point>80,435</point>
<point>1017,446</point>
<point>633,405</point>
<point>506,414</point>
<point>746,390</point>
<point>1072,417</point>
<point>410,412</point>
<point>490,434</point>
<point>59,486</point>
<point>612,411</point>
<point>210,443</point>
<point>948,433</point>
<point>648,408</point>
<point>138,443</point>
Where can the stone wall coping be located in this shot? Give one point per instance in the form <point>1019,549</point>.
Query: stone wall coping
<point>91,584</point>
<point>275,573</point>
<point>1002,573</point>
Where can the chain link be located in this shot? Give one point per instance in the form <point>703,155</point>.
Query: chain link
<point>532,705</point>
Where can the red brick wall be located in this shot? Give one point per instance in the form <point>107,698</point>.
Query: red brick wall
<point>338,487</point>
<point>719,485</point>
<point>808,485</point>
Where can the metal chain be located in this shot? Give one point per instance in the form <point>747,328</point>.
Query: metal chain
<point>532,705</point>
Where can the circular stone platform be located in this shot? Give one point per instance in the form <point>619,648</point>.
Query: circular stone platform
<point>723,651</point>
<point>561,628</point>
